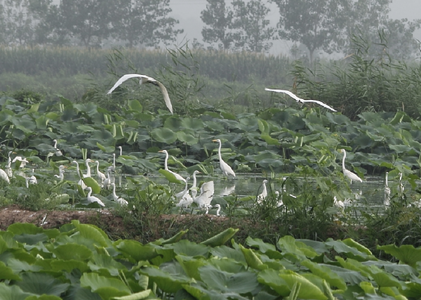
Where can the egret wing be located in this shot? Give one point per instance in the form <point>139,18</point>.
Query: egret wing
<point>166,96</point>
<point>320,103</point>
<point>123,79</point>
<point>292,95</point>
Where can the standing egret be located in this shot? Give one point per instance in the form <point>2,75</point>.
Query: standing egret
<point>300,100</point>
<point>81,183</point>
<point>110,178</point>
<point>386,190</point>
<point>101,176</point>
<point>184,191</point>
<point>348,173</point>
<point>92,199</point>
<point>225,168</point>
<point>58,151</point>
<point>8,167</point>
<point>145,79</point>
<point>3,176</point>
<point>206,195</point>
<point>193,188</point>
<point>118,199</point>
<point>88,168</point>
<point>401,188</point>
<point>60,173</point>
<point>185,199</point>
<point>23,161</point>
<point>177,176</point>
<point>262,196</point>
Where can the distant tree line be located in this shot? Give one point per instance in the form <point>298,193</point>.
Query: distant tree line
<point>235,25</point>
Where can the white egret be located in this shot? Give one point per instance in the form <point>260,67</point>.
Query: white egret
<point>145,79</point>
<point>348,173</point>
<point>177,176</point>
<point>81,183</point>
<point>262,196</point>
<point>225,168</point>
<point>109,180</point>
<point>31,179</point>
<point>298,99</point>
<point>206,195</point>
<point>338,203</point>
<point>118,199</point>
<point>60,172</point>
<point>386,190</point>
<point>88,168</point>
<point>185,199</point>
<point>92,199</point>
<point>228,190</point>
<point>101,176</point>
<point>193,189</point>
<point>401,188</point>
<point>121,150</point>
<point>278,199</point>
<point>23,161</point>
<point>4,176</point>
<point>58,151</point>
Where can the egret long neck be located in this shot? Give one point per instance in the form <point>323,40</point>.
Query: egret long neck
<point>194,180</point>
<point>166,161</point>
<point>219,150</point>
<point>343,161</point>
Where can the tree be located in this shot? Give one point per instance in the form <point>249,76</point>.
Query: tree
<point>90,21</point>
<point>146,22</point>
<point>219,18</point>
<point>317,24</point>
<point>254,30</point>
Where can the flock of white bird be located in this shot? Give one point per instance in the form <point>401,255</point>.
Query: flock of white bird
<point>186,197</point>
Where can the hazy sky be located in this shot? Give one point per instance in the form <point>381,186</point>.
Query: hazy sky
<point>188,13</point>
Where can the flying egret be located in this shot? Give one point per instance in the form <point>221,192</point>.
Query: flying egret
<point>225,168</point>
<point>206,195</point>
<point>262,196</point>
<point>101,176</point>
<point>145,79</point>
<point>386,190</point>
<point>348,173</point>
<point>177,176</point>
<point>92,199</point>
<point>118,199</point>
<point>58,151</point>
<point>193,189</point>
<point>298,99</point>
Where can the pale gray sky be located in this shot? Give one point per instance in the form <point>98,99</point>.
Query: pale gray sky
<point>188,13</point>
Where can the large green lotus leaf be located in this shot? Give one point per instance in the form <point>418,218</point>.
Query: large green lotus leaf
<point>283,282</point>
<point>88,108</point>
<point>59,265</point>
<point>170,176</point>
<point>191,265</point>
<point>24,228</point>
<point>135,250</point>
<point>355,265</point>
<point>317,246</point>
<point>187,138</point>
<point>43,297</point>
<point>258,243</point>
<point>7,273</point>
<point>326,273</point>
<point>89,181</point>
<point>12,292</point>
<point>42,122</point>
<point>105,262</point>
<point>173,123</point>
<point>25,123</point>
<point>216,279</point>
<point>350,242</point>
<point>350,272</point>
<point>31,239</point>
<point>215,126</point>
<point>192,124</point>
<point>106,287</point>
<point>39,283</point>
<point>135,105</point>
<point>384,279</point>
<point>293,249</point>
<point>263,126</point>
<point>5,117</point>
<point>169,279</point>
<point>249,124</point>
<point>188,248</point>
<point>92,232</point>
<point>85,128</point>
<point>351,252</point>
<point>7,241</point>
<point>18,266</point>
<point>411,290</point>
<point>399,270</point>
<point>228,252</point>
<point>164,135</point>
<point>227,265</point>
<point>74,251</point>
<point>136,296</point>
<point>200,292</point>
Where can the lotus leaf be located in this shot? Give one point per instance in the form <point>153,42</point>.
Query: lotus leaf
<point>168,278</point>
<point>164,135</point>
<point>406,253</point>
<point>135,250</point>
<point>106,287</point>
<point>38,283</point>
<point>12,292</point>
<point>326,273</point>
